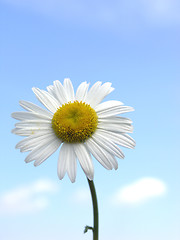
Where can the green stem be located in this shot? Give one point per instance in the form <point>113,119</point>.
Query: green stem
<point>95,209</point>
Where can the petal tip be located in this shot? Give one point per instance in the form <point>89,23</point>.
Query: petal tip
<point>12,114</point>
<point>17,146</point>
<point>13,131</point>
<point>67,79</point>
<point>73,180</point>
<point>21,102</point>
<point>116,168</point>
<point>60,177</point>
<point>35,164</point>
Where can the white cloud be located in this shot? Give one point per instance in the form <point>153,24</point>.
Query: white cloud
<point>162,10</point>
<point>27,198</point>
<point>140,191</point>
<point>82,196</point>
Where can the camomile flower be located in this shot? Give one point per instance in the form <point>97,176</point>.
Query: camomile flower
<point>80,124</point>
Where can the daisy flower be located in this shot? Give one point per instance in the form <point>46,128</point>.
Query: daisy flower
<point>79,123</point>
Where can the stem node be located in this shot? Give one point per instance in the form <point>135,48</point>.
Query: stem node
<point>88,228</point>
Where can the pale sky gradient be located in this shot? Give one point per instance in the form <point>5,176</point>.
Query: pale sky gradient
<point>134,45</point>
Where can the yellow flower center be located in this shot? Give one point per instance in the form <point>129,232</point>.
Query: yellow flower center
<point>74,122</point>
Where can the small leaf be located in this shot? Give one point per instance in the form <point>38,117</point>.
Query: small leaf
<point>88,228</point>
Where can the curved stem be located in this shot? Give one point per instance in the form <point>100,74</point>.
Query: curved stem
<point>95,209</point>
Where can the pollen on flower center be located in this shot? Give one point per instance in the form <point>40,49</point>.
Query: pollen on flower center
<point>74,122</point>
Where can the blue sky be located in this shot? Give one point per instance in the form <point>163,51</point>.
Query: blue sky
<point>134,45</point>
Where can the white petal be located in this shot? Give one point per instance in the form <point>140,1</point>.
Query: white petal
<point>113,160</point>
<point>128,139</point>
<point>69,89</point>
<point>33,141</point>
<point>60,92</point>
<point>108,105</point>
<point>36,121</point>
<point>34,125</point>
<point>93,92</point>
<point>29,116</point>
<point>46,99</point>
<point>34,108</point>
<point>122,128</point>
<point>48,151</point>
<point>71,163</point>
<point>43,151</point>
<point>115,119</point>
<point>51,90</point>
<point>67,162</point>
<point>98,93</point>
<point>107,144</point>
<point>28,132</point>
<point>81,92</point>
<point>119,138</point>
<point>111,108</point>
<point>55,93</point>
<point>85,159</point>
<point>99,153</point>
<point>115,111</point>
<point>62,161</point>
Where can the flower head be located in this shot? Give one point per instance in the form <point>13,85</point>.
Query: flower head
<point>78,123</point>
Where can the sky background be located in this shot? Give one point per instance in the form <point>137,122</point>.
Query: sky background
<point>134,45</point>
